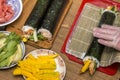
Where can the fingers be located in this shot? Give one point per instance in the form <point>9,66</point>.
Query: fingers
<point>116,41</point>
<point>113,44</point>
<point>105,43</point>
<point>108,35</point>
<point>103,36</point>
<point>106,32</point>
<point>109,27</point>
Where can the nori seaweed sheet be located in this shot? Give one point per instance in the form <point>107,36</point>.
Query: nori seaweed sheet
<point>52,15</point>
<point>96,49</point>
<point>37,13</point>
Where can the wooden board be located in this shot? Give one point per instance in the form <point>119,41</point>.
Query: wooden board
<point>28,5</point>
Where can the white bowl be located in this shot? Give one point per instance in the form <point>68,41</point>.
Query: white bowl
<point>23,52</point>
<point>17,7</point>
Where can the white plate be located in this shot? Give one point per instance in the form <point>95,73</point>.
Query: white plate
<point>61,68</point>
<point>23,51</point>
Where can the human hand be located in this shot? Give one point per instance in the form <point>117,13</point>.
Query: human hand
<point>108,35</point>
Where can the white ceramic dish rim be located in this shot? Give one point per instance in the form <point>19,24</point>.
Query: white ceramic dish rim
<point>20,11</point>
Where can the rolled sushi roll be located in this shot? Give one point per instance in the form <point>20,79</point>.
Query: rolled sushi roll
<point>94,53</point>
<point>48,25</point>
<point>34,19</point>
<point>37,13</point>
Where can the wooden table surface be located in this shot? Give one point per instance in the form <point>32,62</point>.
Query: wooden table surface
<point>72,68</point>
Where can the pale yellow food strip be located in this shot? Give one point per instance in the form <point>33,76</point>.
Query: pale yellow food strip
<point>19,71</point>
<point>40,68</point>
<point>49,56</point>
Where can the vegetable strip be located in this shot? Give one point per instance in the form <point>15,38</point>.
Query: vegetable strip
<point>38,68</point>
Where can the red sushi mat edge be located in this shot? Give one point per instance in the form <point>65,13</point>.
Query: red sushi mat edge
<point>110,70</point>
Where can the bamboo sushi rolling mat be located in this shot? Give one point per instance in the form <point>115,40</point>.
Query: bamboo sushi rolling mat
<point>82,35</point>
<point>72,71</point>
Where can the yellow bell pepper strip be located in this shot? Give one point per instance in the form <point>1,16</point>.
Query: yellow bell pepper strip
<point>86,66</point>
<point>47,75</point>
<point>18,71</point>
<point>49,56</point>
<point>24,39</point>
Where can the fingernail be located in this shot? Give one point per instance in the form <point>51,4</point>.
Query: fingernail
<point>94,29</point>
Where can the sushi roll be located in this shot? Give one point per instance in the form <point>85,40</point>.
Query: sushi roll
<point>48,24</point>
<point>33,21</point>
<point>95,50</point>
<point>37,13</point>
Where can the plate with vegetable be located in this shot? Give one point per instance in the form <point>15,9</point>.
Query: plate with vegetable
<point>12,49</point>
<point>41,64</point>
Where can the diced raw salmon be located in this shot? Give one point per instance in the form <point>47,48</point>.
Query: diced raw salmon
<point>6,11</point>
